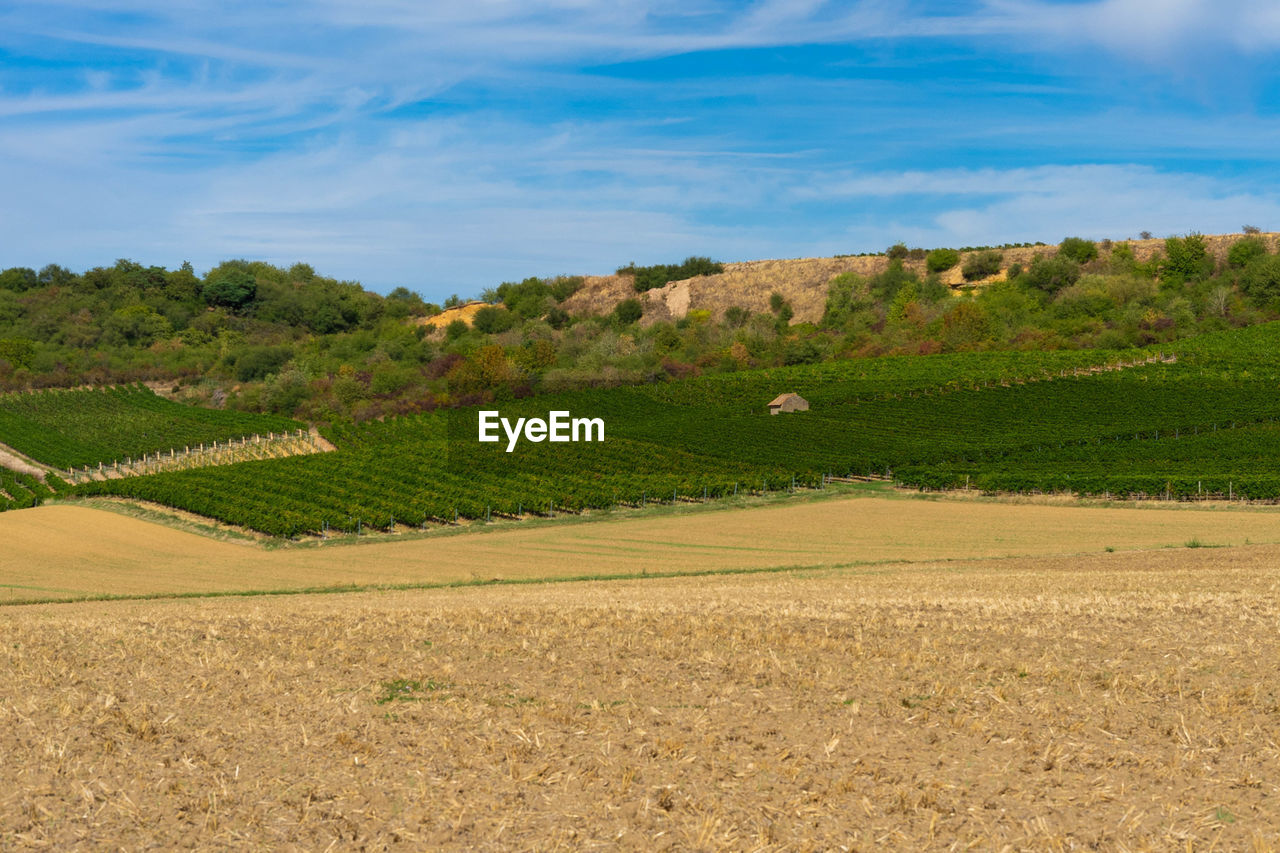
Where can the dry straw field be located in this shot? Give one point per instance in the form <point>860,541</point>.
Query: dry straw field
<point>1125,700</point>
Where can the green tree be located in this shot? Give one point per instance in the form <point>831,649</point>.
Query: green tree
<point>1078,249</point>
<point>1245,250</point>
<point>628,311</point>
<point>1261,279</point>
<point>232,288</point>
<point>981,265</point>
<point>1052,274</point>
<point>940,260</point>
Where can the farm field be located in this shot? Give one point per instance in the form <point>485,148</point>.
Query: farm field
<point>1198,419</point>
<point>1121,700</point>
<point>63,552</point>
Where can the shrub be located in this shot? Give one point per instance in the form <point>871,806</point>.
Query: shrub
<point>1244,251</point>
<point>982,265</point>
<point>941,259</point>
<point>628,311</point>
<point>647,278</point>
<point>492,319</point>
<point>1078,249</point>
<point>1052,274</point>
<point>898,252</point>
<point>1187,259</point>
<point>1261,278</point>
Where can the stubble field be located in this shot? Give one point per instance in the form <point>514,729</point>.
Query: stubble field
<point>1126,700</point>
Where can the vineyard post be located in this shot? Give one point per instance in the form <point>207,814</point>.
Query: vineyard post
<point>553,509</point>
<point>486,514</point>
<point>735,490</point>
<point>455,515</point>
<point>644,499</point>
<point>1231,490</point>
<point>359,526</point>
<point>673,497</point>
<point>324,531</point>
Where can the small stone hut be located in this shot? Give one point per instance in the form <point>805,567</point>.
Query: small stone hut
<point>788,403</point>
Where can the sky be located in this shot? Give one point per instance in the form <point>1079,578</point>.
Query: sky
<point>447,146</point>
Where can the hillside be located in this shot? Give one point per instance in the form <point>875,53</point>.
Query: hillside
<point>803,282</point>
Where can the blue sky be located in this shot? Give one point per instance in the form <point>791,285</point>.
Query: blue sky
<point>448,147</point>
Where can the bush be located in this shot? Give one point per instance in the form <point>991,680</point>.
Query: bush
<point>1244,251</point>
<point>982,265</point>
<point>898,252</point>
<point>1261,278</point>
<point>628,311</point>
<point>1078,249</point>
<point>941,259</point>
<point>493,319</point>
<point>1052,274</point>
<point>232,289</point>
<point>648,278</point>
<point>1187,259</point>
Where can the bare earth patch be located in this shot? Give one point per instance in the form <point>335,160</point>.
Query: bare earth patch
<point>1121,701</point>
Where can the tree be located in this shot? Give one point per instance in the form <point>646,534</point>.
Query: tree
<point>982,264</point>
<point>233,288</point>
<point>941,259</point>
<point>492,319</point>
<point>1187,259</point>
<point>1052,274</point>
<point>19,279</point>
<point>1078,249</point>
<point>1261,278</point>
<point>628,311</point>
<point>1244,251</point>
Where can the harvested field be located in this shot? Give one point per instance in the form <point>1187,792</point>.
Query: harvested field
<point>1125,701</point>
<point>74,551</point>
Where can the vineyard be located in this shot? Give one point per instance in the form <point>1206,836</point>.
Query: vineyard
<point>71,429</point>
<point>1200,419</point>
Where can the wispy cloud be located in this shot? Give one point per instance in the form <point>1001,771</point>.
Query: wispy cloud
<point>448,146</point>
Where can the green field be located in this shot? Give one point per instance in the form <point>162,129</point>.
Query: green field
<point>73,428</point>
<point>1202,424</point>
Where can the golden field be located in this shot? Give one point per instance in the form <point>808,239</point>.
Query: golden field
<point>939,678</point>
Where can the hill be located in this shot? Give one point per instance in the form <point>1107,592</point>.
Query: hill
<point>803,282</point>
<point>253,337</point>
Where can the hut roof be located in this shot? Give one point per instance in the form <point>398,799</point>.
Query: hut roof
<point>782,398</point>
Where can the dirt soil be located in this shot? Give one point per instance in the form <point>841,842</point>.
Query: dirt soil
<point>1117,701</point>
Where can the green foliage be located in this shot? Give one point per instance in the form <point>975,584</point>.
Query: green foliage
<point>493,319</point>
<point>1052,274</point>
<point>845,295</point>
<point>885,285</point>
<point>260,362</point>
<point>628,311</point>
<point>736,316</point>
<point>897,252</point>
<point>1245,250</point>
<point>19,352</point>
<point>1078,249</point>
<point>1261,278</point>
<point>1186,259</point>
<point>18,279</point>
<point>648,278</point>
<point>232,288</point>
<point>940,260</point>
<point>74,428</point>
<point>982,264</point>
